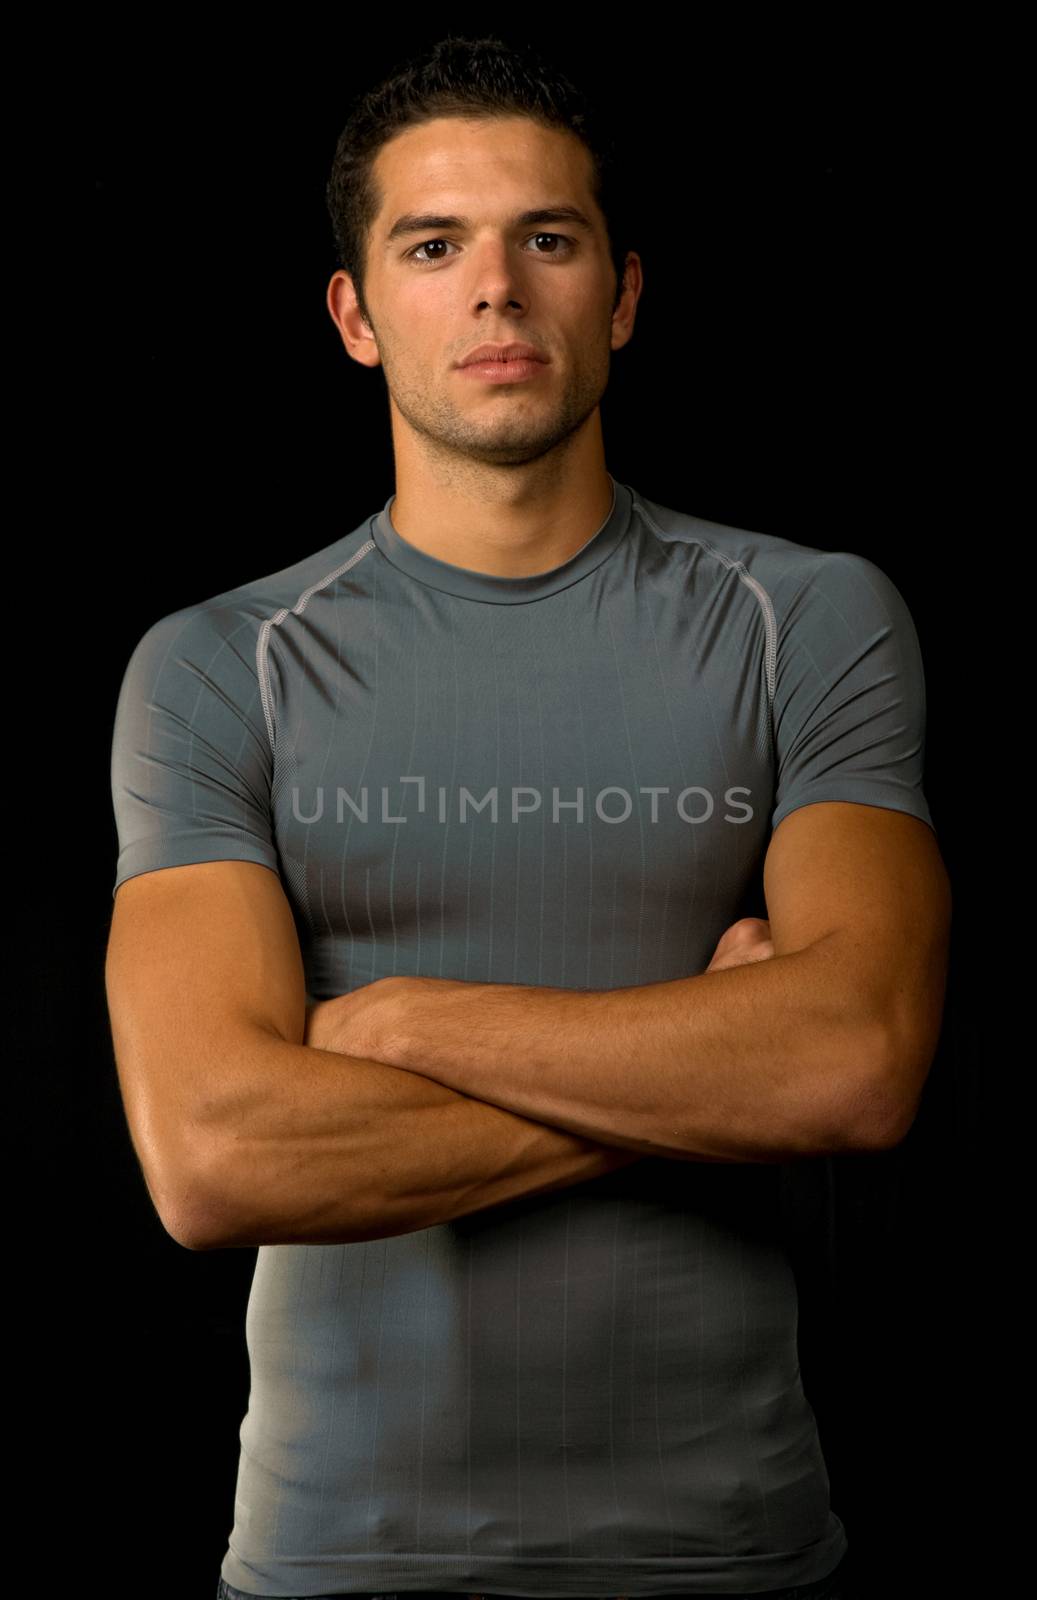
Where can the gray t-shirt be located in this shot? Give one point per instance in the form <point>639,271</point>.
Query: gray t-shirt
<point>568,779</point>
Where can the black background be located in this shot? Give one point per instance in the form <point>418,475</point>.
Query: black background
<point>796,368</point>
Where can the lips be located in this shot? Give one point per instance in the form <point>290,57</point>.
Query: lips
<point>502,352</point>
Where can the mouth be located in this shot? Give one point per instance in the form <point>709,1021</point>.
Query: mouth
<point>503,352</point>
<point>517,370</point>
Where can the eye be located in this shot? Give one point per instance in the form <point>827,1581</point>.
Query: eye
<point>422,246</point>
<point>570,245</point>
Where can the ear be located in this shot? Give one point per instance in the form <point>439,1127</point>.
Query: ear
<point>355,332</point>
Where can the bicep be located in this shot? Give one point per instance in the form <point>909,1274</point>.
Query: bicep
<point>200,958</point>
<point>869,882</point>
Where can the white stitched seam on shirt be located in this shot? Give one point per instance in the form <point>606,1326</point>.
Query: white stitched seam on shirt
<point>262,642</point>
<point>764,599</point>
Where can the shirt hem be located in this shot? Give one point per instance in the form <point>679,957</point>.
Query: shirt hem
<point>281,1578</point>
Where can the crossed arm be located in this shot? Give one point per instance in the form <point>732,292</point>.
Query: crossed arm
<point>823,1045</point>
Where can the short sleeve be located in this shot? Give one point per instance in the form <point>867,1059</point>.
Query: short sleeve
<point>849,692</point>
<point>191,761</point>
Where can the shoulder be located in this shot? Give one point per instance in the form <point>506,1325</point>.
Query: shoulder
<point>786,574</point>
<point>728,542</point>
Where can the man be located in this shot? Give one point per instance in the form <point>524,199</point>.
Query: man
<point>429,945</point>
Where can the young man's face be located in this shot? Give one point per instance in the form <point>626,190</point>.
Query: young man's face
<point>437,292</point>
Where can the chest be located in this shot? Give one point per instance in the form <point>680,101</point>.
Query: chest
<point>588,799</point>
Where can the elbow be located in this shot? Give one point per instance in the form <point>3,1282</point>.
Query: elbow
<point>195,1230</point>
<point>888,1087</point>
<point>195,1207</point>
<point>195,1223</point>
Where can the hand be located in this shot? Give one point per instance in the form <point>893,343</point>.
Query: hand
<point>365,1023</point>
<point>746,940</point>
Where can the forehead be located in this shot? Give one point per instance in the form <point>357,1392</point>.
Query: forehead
<point>455,158</point>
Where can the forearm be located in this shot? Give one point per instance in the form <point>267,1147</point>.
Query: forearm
<point>761,1062</point>
<point>317,1147</point>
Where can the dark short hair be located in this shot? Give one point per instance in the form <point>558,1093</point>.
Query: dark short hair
<point>468,77</point>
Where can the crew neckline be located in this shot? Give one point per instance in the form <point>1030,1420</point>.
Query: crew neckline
<point>473,585</point>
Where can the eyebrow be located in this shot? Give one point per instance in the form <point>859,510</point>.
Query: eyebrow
<point>429,222</point>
